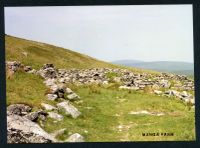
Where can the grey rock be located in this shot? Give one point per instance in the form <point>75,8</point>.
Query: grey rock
<point>33,116</point>
<point>68,91</point>
<point>75,138</point>
<point>52,97</point>
<point>22,130</point>
<point>48,107</point>
<point>69,109</point>
<point>55,116</point>
<point>73,97</point>
<point>19,109</point>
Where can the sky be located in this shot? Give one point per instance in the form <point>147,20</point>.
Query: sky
<point>109,33</point>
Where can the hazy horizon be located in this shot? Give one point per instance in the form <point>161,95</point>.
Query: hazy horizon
<point>110,33</point>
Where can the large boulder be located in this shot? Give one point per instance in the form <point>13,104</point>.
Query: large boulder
<point>69,109</point>
<point>23,130</point>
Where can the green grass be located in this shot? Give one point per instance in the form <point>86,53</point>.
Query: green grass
<point>26,88</point>
<point>100,106</point>
<point>99,118</point>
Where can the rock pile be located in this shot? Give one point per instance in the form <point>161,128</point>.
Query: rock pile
<point>14,66</point>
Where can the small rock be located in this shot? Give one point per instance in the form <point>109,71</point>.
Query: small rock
<point>35,115</point>
<point>59,132</point>
<point>75,138</point>
<point>48,107</point>
<point>68,91</point>
<point>157,92</point>
<point>55,116</point>
<point>184,94</point>
<point>52,97</point>
<point>27,68</point>
<point>73,97</point>
<point>19,109</point>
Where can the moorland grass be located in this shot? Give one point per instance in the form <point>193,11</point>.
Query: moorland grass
<point>104,109</point>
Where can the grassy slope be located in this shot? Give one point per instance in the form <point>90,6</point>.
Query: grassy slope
<point>40,53</point>
<point>100,105</point>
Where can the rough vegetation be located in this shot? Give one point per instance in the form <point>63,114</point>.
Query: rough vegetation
<point>60,101</point>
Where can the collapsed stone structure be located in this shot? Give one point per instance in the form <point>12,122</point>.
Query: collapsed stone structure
<point>22,124</point>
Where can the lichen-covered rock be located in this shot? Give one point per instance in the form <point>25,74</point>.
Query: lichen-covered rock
<point>33,116</point>
<point>19,109</point>
<point>23,130</point>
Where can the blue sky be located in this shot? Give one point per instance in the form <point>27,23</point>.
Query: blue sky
<point>140,32</point>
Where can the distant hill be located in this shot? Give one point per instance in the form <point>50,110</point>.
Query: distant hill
<point>162,66</point>
<point>126,62</point>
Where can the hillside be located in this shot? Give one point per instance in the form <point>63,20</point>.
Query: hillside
<point>162,66</point>
<point>79,98</point>
<point>36,54</point>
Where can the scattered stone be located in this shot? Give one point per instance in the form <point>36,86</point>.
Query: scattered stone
<point>33,71</point>
<point>59,132</point>
<point>13,65</point>
<point>130,88</point>
<point>68,91</point>
<point>144,112</point>
<point>50,82</point>
<point>184,94</point>
<point>73,97</point>
<point>69,109</point>
<point>75,138</point>
<point>55,116</point>
<point>157,92</point>
<point>48,107</point>
<point>47,71</point>
<point>52,97</point>
<point>27,68</point>
<point>19,109</point>
<point>33,116</point>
